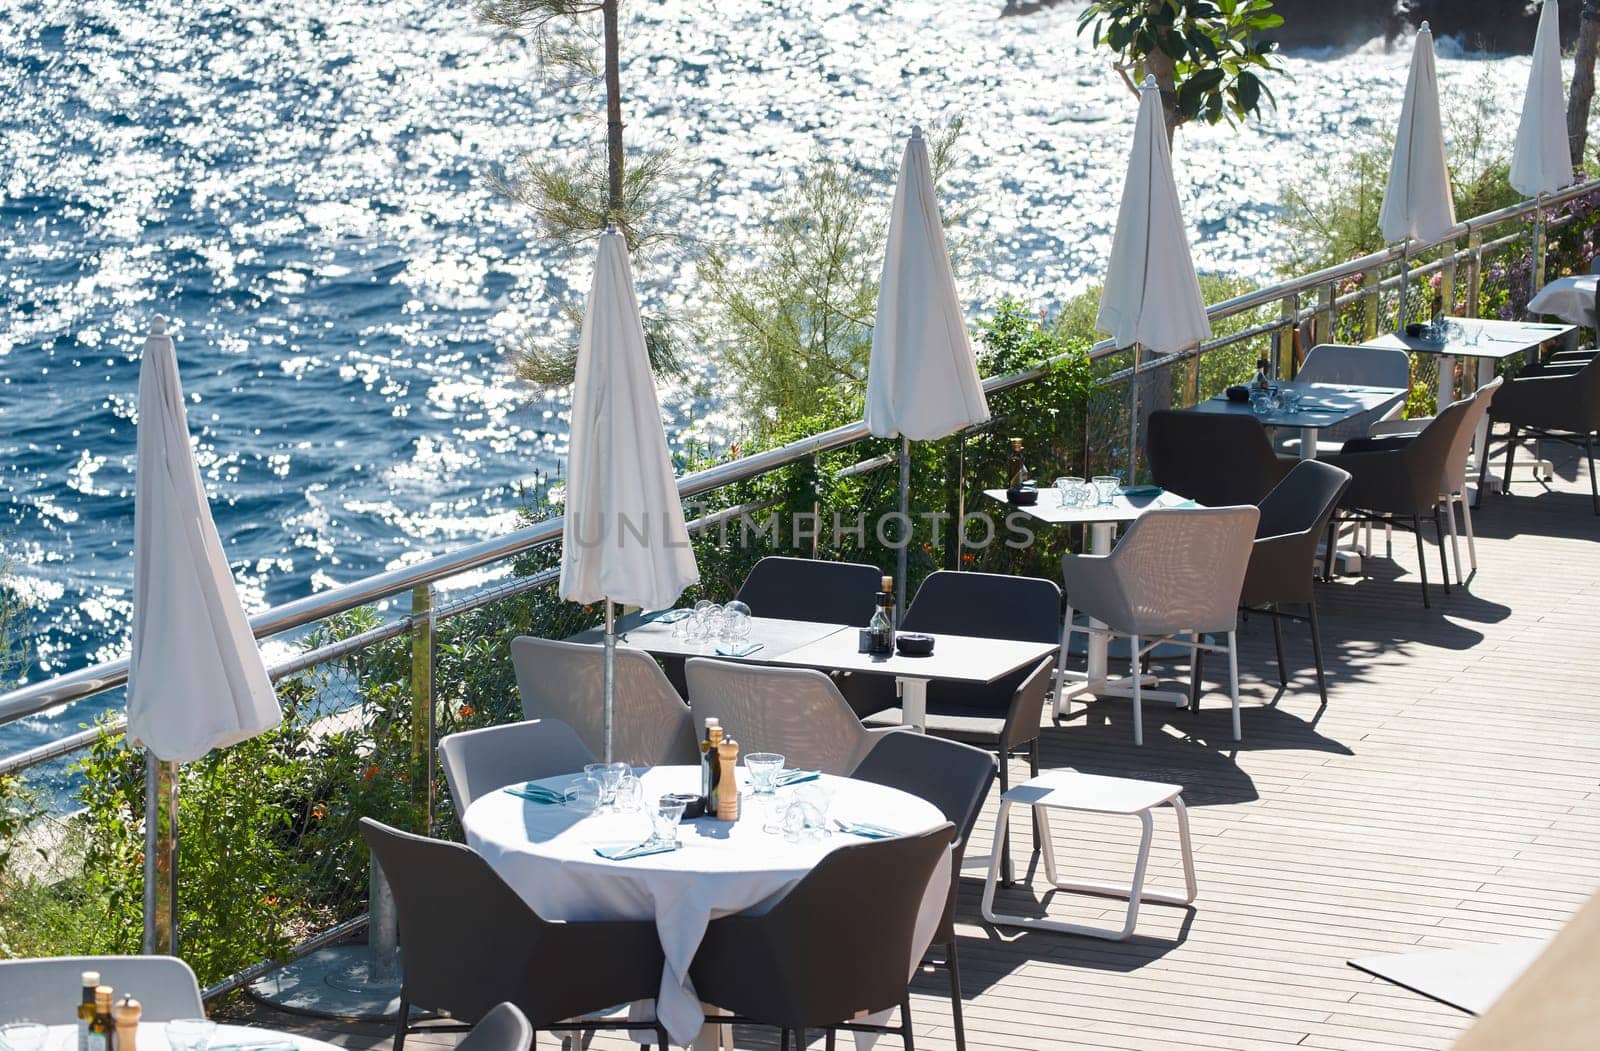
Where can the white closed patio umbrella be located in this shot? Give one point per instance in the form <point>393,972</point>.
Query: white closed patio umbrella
<point>623,537</point>
<point>922,379</point>
<point>1417,202</point>
<point>1151,299</point>
<point>1542,162</point>
<point>196,680</point>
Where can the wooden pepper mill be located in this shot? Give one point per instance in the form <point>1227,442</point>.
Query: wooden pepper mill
<point>728,785</point>
<point>125,1019</point>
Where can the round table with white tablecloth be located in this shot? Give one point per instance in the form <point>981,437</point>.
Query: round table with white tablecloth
<point>1572,299</point>
<point>546,852</point>
<point>153,1037</point>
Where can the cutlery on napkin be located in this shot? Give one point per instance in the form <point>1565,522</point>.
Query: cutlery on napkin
<point>637,850</point>
<point>866,829</point>
<point>537,793</point>
<point>794,777</point>
<point>742,649</point>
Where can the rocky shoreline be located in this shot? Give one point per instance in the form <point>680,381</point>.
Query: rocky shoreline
<point>1497,26</point>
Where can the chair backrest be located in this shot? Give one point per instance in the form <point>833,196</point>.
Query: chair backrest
<point>1356,366</point>
<point>840,942</point>
<point>796,712</point>
<point>47,990</point>
<point>1455,464</point>
<point>1428,456</point>
<point>565,681</point>
<point>477,762</point>
<point>988,606</point>
<point>505,1028</point>
<point>1215,459</point>
<point>954,777</point>
<point>1182,569</point>
<point>811,589</point>
<point>1303,502</point>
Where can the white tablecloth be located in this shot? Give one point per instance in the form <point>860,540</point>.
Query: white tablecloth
<point>546,853</point>
<point>1570,298</point>
<point>153,1037</point>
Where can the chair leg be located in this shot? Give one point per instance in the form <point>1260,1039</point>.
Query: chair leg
<point>957,1020</point>
<point>1138,689</point>
<point>1438,534</point>
<point>1422,560</point>
<point>1316,649</point>
<point>829,1043</point>
<point>1483,463</point>
<point>1197,678</point>
<point>1277,640</point>
<point>1331,551</point>
<point>800,1040</point>
<point>1007,877</point>
<point>400,1025</point>
<point>1466,520</point>
<point>905,1023</point>
<point>1061,668</point>
<point>1033,771</point>
<point>1233,681</point>
<point>1594,482</point>
<point>1455,539</point>
<point>783,1040</point>
<point>1511,450</point>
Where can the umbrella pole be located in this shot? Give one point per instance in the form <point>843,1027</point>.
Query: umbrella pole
<point>1538,242</point>
<point>609,676</point>
<point>905,519</point>
<point>1400,311</point>
<point>1133,420</point>
<point>160,856</point>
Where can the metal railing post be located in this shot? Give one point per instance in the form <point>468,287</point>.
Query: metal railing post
<point>1324,316</point>
<point>816,504</point>
<point>160,857</point>
<point>1283,338</point>
<point>1369,308</point>
<point>1474,273</point>
<point>422,713</point>
<point>1191,379</point>
<point>1538,243</point>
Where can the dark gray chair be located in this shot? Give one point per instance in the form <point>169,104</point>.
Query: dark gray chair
<point>1214,460</point>
<point>956,778</point>
<point>477,762</point>
<point>505,1028</point>
<point>811,589</point>
<point>1294,520</point>
<point>1395,480</point>
<point>46,990</point>
<point>1559,402</point>
<point>468,943</point>
<point>836,946</point>
<point>824,593</point>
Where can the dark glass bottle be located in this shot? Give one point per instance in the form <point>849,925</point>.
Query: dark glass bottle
<point>881,627</point>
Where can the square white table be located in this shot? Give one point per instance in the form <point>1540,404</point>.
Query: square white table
<point>1321,405</point>
<point>1487,339</point>
<point>655,636</point>
<point>1102,520</point>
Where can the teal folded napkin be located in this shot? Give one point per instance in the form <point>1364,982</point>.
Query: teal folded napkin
<point>738,649</point>
<point>1185,503</point>
<point>670,616</point>
<point>638,850</point>
<point>1142,490</point>
<point>537,793</point>
<point>794,777</point>
<point>866,829</point>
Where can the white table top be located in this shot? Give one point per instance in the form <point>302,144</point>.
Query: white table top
<point>776,636</point>
<point>1092,793</point>
<point>1121,508</point>
<point>546,853</point>
<point>1496,339</point>
<point>955,658</point>
<point>153,1037</point>
<point>1568,298</point>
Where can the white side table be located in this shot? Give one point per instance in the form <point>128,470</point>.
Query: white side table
<point>1092,794</point>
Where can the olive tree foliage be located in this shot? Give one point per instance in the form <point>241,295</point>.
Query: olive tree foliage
<point>576,198</point>
<point>1205,55</point>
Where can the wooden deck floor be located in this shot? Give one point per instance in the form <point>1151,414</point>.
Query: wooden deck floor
<point>1446,796</point>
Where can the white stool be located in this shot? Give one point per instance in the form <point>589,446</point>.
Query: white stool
<point>1092,794</point>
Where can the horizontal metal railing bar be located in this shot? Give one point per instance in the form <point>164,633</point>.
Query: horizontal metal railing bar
<point>35,697</point>
<point>338,932</point>
<point>39,754</point>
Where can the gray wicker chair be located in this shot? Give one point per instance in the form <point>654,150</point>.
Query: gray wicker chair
<point>564,680</point>
<point>1353,366</point>
<point>796,712</point>
<point>477,762</point>
<point>1175,572</point>
<point>46,990</point>
<point>505,1028</point>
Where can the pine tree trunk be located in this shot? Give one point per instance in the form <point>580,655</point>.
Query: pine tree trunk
<point>613,111</point>
<point>1583,81</point>
<point>1159,64</point>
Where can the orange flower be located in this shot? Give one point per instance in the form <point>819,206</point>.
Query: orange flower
<point>370,772</point>
<point>319,811</point>
<point>466,711</point>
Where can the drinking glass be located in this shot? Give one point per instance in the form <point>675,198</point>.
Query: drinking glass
<point>735,622</point>
<point>1261,402</point>
<point>190,1034</point>
<point>707,620</point>
<point>606,775</point>
<point>629,795</point>
<point>1289,399</point>
<point>764,769</point>
<point>664,820</point>
<point>24,1036</point>
<point>1106,486</point>
<point>583,795</point>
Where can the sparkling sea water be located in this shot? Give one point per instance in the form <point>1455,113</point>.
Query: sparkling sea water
<point>304,188</point>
